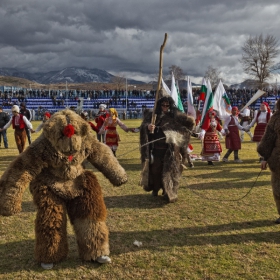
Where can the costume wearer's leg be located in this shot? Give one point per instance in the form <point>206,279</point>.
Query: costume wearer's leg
<point>5,140</point>
<point>1,136</point>
<point>28,133</point>
<point>171,173</point>
<point>189,160</point>
<point>250,134</point>
<point>229,151</point>
<point>275,183</point>
<point>50,226</point>
<point>99,137</point>
<point>87,213</point>
<point>155,175</point>
<point>20,138</point>
<point>102,138</point>
<point>242,135</point>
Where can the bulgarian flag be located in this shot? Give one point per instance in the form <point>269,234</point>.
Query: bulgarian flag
<point>203,90</point>
<point>175,94</point>
<point>208,105</point>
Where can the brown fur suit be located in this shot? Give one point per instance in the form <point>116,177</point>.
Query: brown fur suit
<point>53,166</point>
<point>269,149</point>
<point>177,132</point>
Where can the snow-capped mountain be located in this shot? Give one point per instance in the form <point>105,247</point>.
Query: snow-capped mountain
<point>71,75</point>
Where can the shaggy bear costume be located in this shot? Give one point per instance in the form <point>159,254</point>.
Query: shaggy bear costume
<point>269,149</point>
<point>171,152</point>
<point>52,165</point>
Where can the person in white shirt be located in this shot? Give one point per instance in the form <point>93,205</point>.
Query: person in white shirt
<point>245,120</point>
<point>19,123</point>
<point>261,118</point>
<point>233,142</point>
<point>47,115</point>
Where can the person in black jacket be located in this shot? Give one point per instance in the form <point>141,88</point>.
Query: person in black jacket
<point>4,119</point>
<point>25,112</point>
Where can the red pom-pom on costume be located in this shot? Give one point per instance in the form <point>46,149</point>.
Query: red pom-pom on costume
<point>69,130</point>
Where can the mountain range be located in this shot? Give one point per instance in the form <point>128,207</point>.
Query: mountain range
<point>70,75</point>
<point>77,75</point>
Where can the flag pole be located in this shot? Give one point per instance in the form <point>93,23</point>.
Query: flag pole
<point>159,80</point>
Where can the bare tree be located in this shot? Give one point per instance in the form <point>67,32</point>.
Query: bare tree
<point>213,75</point>
<point>119,82</point>
<point>178,73</point>
<point>258,57</point>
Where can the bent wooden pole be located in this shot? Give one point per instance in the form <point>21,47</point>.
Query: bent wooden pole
<point>159,80</point>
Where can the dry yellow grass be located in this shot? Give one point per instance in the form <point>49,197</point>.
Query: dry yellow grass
<point>202,236</point>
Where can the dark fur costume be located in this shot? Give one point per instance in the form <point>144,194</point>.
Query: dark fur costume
<point>176,128</point>
<point>52,165</point>
<point>269,149</point>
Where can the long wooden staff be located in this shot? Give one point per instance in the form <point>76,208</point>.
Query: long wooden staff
<point>159,81</point>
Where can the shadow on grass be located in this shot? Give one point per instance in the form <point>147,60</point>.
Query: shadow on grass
<point>142,201</point>
<point>28,206</point>
<point>164,240</point>
<point>18,256</point>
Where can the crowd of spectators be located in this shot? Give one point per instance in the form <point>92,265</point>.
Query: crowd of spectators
<point>113,98</point>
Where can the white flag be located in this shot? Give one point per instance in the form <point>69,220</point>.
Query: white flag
<point>257,95</point>
<point>221,102</point>
<point>165,87</point>
<point>191,109</point>
<point>174,93</point>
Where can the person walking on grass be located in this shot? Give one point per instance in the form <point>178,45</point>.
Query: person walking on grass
<point>99,119</point>
<point>4,119</point>
<point>19,123</point>
<point>245,120</point>
<point>26,112</point>
<point>233,142</point>
<point>261,118</point>
<point>212,148</point>
<point>109,129</point>
<point>47,115</point>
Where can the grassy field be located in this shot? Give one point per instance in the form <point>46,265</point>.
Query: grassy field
<point>209,233</point>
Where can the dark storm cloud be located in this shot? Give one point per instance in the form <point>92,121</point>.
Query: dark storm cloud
<point>125,36</point>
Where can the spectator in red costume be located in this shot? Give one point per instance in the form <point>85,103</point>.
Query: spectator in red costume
<point>211,145</point>
<point>84,116</point>
<point>99,119</point>
<point>20,123</point>
<point>261,117</point>
<point>233,142</point>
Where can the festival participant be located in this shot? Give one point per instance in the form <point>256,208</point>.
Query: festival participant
<point>211,145</point>
<point>261,118</point>
<point>99,119</point>
<point>47,115</point>
<point>233,142</point>
<point>4,119</point>
<point>245,120</point>
<point>197,121</point>
<point>84,116</point>
<point>19,123</point>
<point>109,129</point>
<point>25,112</point>
<point>269,149</point>
<point>163,159</point>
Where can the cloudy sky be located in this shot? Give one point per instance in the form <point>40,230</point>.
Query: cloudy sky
<point>124,36</point>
